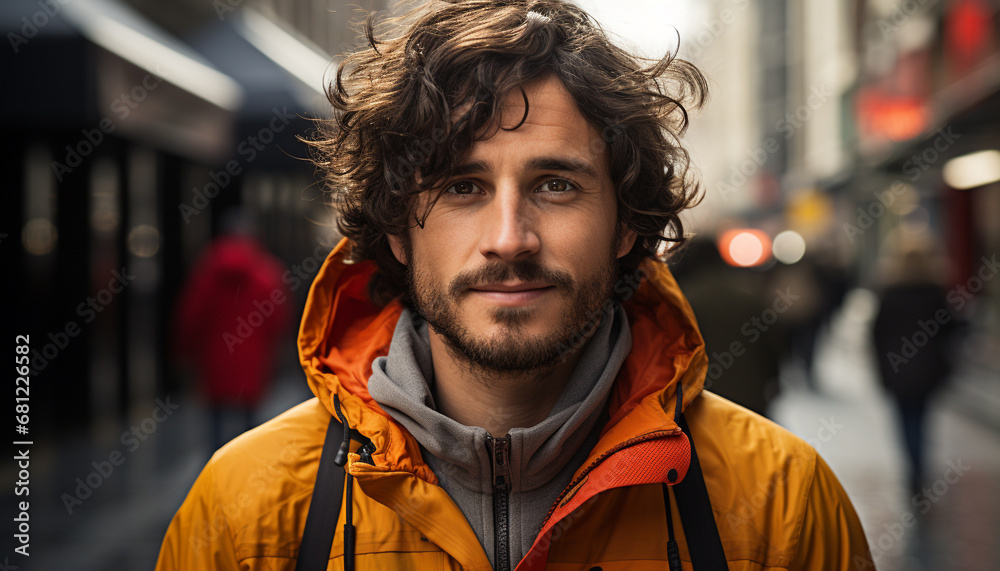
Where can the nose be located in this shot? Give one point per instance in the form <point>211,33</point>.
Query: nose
<point>509,227</point>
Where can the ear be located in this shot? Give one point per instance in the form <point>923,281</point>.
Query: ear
<point>396,245</point>
<point>627,241</point>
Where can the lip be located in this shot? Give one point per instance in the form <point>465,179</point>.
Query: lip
<point>512,294</point>
<point>511,287</point>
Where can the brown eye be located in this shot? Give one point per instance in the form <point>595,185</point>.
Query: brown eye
<point>557,185</point>
<point>462,187</point>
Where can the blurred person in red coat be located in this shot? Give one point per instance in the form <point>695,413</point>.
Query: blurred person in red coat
<point>229,320</point>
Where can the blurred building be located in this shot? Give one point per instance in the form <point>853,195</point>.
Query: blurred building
<point>870,128</point>
<point>129,126</point>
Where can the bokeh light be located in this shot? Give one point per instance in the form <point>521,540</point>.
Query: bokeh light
<point>144,241</point>
<point>789,247</point>
<point>972,170</point>
<point>744,247</point>
<point>39,236</point>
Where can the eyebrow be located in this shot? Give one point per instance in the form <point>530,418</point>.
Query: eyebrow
<point>564,164</point>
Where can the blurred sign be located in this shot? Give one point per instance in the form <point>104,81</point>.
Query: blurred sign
<point>895,107</point>
<point>894,117</point>
<point>968,33</point>
<point>810,212</point>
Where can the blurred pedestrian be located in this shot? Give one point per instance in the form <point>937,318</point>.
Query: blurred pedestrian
<point>911,334</point>
<point>231,315</point>
<point>744,361</point>
<point>803,321</point>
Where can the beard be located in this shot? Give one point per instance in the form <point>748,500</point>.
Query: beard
<point>511,350</point>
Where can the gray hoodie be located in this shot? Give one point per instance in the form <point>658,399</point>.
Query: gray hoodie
<point>543,457</point>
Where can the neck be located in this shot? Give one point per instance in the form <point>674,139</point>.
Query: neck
<point>495,401</point>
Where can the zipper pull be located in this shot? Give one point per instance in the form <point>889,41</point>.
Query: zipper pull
<point>500,448</point>
<point>365,452</point>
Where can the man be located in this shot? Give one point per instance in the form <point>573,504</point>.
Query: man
<point>497,339</point>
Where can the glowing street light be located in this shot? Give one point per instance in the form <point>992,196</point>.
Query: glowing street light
<point>789,247</point>
<point>972,170</point>
<point>745,247</point>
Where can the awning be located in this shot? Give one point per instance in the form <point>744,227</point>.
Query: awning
<point>149,85</point>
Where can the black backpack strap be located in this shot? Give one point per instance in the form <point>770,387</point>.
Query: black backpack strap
<point>324,508</point>
<point>700,531</point>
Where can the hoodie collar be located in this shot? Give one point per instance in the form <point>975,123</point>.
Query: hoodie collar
<point>342,333</point>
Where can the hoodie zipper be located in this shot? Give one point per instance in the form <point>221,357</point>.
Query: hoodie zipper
<point>500,452</point>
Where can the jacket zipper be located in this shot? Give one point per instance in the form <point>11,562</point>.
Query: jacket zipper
<point>500,451</point>
<point>617,448</point>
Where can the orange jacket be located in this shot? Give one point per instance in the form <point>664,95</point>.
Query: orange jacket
<point>776,503</point>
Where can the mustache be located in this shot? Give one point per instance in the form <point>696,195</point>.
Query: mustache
<point>526,271</point>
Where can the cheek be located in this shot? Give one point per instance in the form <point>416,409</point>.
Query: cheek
<point>439,249</point>
<point>446,225</point>
<point>581,244</point>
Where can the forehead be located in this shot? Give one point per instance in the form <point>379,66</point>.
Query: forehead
<point>553,121</point>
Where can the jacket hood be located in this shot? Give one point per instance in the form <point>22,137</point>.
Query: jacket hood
<point>342,332</point>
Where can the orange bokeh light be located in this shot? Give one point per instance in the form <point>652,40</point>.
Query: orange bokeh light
<point>744,247</point>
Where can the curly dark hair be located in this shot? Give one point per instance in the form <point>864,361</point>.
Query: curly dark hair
<point>408,107</point>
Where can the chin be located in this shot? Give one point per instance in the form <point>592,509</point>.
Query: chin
<point>528,320</point>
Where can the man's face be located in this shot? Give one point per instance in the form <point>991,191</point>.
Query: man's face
<point>518,254</point>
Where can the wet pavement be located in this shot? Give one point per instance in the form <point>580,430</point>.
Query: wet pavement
<point>953,525</point>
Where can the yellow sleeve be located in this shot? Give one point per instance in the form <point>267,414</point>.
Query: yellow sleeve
<point>831,536</point>
<point>199,537</point>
